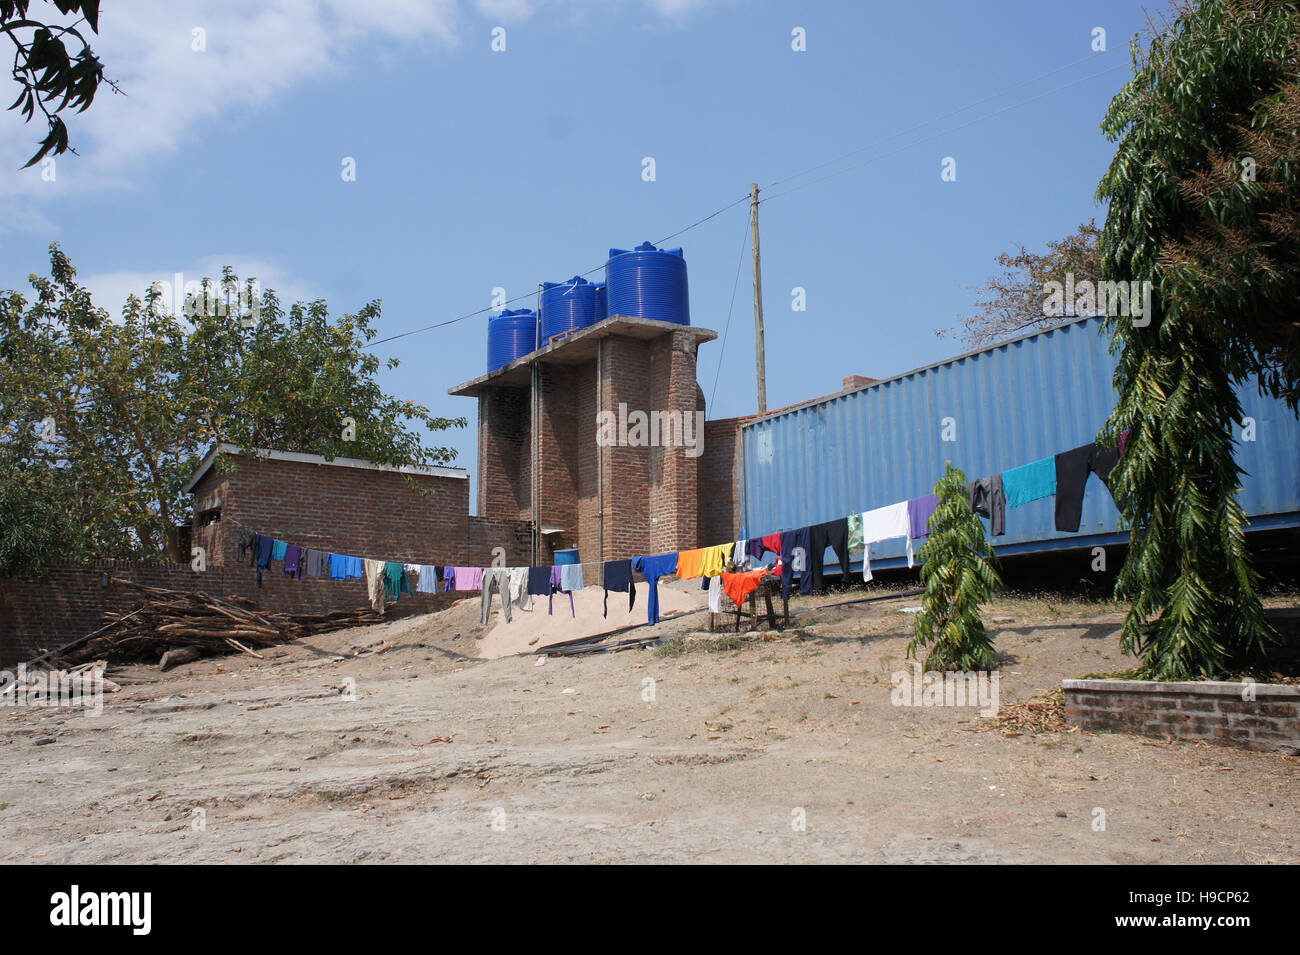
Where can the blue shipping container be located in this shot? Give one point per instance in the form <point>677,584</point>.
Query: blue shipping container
<point>1004,406</point>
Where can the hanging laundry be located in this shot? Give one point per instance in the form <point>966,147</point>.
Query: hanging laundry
<point>262,559</point>
<point>919,510</point>
<point>739,586</point>
<point>427,581</point>
<point>772,542</point>
<point>1072,470</point>
<point>988,499</point>
<point>494,578</point>
<point>882,524</point>
<point>715,594</point>
<point>318,563</point>
<point>248,546</point>
<point>1030,482</point>
<point>835,535</point>
<point>714,561</point>
<point>571,577</point>
<point>557,584</point>
<point>278,550</point>
<point>292,560</point>
<point>855,535</point>
<point>375,584</point>
<point>517,578</point>
<point>539,581</point>
<point>652,568</point>
<point>448,579</point>
<point>791,541</point>
<point>755,549</point>
<point>617,576</point>
<point>690,563</point>
<point>469,578</point>
<point>395,581</point>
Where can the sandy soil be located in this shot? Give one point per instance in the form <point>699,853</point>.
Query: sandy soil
<point>708,755</point>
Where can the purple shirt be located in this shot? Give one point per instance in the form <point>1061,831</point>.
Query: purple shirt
<point>292,560</point>
<point>918,514</point>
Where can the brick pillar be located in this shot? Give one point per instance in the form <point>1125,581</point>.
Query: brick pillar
<point>504,454</point>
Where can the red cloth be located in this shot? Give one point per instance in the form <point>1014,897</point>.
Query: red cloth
<point>739,586</point>
<point>772,542</point>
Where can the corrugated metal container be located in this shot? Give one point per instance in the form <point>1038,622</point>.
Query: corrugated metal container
<point>648,283</point>
<point>1002,407</point>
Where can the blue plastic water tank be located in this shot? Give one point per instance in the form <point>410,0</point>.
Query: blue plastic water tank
<point>511,335</point>
<point>568,305</point>
<point>647,283</point>
<point>602,308</point>
<point>567,556</point>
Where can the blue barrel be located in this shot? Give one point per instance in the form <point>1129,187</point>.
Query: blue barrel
<point>567,306</point>
<point>647,283</point>
<point>568,556</point>
<point>511,335</point>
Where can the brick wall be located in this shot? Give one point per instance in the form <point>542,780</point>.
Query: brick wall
<point>357,511</point>
<point>1213,712</point>
<point>504,461</point>
<point>39,615</point>
<point>722,480</point>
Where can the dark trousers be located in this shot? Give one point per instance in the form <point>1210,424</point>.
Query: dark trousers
<point>1072,470</point>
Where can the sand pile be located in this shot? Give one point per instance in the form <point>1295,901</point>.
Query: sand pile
<point>527,631</point>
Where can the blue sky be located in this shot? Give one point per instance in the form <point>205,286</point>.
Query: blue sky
<point>477,169</point>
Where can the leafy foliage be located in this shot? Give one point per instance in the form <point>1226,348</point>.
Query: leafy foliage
<point>48,75</point>
<point>1217,87</point>
<point>959,572</point>
<point>102,421</point>
<point>1011,303</point>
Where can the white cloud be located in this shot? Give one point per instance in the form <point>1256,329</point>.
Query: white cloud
<point>255,51</point>
<point>507,11</point>
<point>110,290</point>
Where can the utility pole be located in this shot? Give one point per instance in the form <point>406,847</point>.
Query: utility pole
<point>760,355</point>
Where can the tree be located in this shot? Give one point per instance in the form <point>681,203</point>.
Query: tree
<point>959,572</point>
<point>108,418</point>
<point>1013,302</point>
<point>48,75</point>
<point>1215,236</point>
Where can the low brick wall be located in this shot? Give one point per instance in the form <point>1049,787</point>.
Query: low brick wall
<point>1213,712</point>
<point>39,615</point>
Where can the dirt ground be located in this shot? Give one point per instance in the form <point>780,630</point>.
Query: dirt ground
<point>395,743</point>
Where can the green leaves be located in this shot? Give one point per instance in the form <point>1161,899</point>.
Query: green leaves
<point>49,77</point>
<point>959,573</point>
<point>136,402</point>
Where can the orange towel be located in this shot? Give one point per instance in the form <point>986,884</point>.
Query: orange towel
<point>690,563</point>
<point>739,586</point>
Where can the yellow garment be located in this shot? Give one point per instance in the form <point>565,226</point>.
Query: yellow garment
<point>690,564</point>
<point>715,559</point>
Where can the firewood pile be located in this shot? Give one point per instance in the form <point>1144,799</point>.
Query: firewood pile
<point>167,620</point>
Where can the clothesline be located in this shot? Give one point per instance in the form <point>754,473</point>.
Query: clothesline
<point>733,568</point>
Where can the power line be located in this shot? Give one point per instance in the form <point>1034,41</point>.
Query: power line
<point>528,295</point>
<point>734,285</point>
<point>831,162</point>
